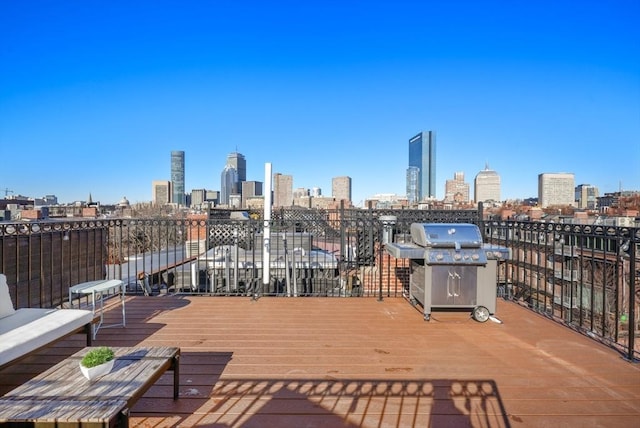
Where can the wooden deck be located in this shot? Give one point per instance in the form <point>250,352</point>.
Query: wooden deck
<point>358,362</point>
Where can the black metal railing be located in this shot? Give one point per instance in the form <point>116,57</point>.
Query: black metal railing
<point>311,252</point>
<point>583,276</point>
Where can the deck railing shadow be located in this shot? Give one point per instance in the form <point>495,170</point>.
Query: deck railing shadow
<point>340,402</point>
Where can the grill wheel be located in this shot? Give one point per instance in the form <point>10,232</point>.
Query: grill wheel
<point>480,314</point>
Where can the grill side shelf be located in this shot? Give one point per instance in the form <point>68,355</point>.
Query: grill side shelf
<point>405,250</point>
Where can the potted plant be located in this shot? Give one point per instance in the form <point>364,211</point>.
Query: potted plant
<point>97,362</point>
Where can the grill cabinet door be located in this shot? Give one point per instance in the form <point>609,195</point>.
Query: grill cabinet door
<point>454,286</point>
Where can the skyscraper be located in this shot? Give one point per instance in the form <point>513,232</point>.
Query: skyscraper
<point>233,174</point>
<point>486,186</point>
<point>177,177</point>
<point>556,188</point>
<point>341,188</point>
<point>232,177</point>
<point>228,184</point>
<point>238,161</point>
<point>421,173</point>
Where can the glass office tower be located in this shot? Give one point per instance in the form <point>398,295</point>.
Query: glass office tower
<point>421,173</point>
<point>177,177</point>
<point>232,177</point>
<point>228,184</point>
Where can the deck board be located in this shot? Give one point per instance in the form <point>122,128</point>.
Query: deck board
<point>351,362</point>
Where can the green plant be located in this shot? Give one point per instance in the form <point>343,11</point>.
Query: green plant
<point>97,356</point>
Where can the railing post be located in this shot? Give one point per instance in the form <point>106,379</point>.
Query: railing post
<point>632,297</point>
<point>380,270</point>
<point>343,250</point>
<point>481,221</point>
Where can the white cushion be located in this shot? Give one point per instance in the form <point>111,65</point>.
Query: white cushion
<point>6,306</point>
<point>32,328</point>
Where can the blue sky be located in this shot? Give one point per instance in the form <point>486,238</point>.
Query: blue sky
<point>95,95</point>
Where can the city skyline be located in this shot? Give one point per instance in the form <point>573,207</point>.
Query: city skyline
<point>493,188</point>
<point>92,98</point>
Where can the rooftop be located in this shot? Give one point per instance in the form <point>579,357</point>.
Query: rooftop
<point>361,362</point>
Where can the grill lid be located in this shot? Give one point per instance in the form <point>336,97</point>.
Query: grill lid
<point>446,235</point>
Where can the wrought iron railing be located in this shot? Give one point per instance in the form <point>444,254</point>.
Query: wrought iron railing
<point>583,276</point>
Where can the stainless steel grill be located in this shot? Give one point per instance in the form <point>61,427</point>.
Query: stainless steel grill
<point>451,268</point>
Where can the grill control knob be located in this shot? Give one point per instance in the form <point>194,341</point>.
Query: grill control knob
<point>439,256</point>
<point>456,256</point>
<point>475,257</point>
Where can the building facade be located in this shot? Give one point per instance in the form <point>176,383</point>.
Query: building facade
<point>456,190</point>
<point>421,173</point>
<point>177,178</point>
<point>486,186</point>
<point>301,192</point>
<point>587,197</point>
<point>198,197</point>
<point>282,190</point>
<point>341,188</point>
<point>161,192</point>
<point>213,196</point>
<point>556,188</point>
<point>413,184</point>
<point>250,189</point>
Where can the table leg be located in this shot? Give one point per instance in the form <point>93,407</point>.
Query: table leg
<point>93,305</point>
<point>176,376</point>
<point>88,330</point>
<point>122,299</point>
<point>124,418</point>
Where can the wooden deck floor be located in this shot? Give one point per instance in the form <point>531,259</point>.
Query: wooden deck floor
<point>358,362</point>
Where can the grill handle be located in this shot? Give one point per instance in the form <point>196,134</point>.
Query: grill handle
<point>458,283</point>
<point>454,284</point>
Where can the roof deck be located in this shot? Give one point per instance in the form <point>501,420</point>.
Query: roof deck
<point>360,362</point>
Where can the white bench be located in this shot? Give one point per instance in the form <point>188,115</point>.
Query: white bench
<point>26,330</point>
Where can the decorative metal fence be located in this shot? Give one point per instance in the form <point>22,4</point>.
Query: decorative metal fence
<point>584,276</point>
<point>311,253</point>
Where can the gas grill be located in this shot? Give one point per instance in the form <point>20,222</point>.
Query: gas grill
<point>451,268</point>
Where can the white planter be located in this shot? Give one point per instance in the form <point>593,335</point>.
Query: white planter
<point>97,371</point>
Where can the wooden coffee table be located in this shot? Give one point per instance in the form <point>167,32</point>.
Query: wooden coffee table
<point>62,395</point>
